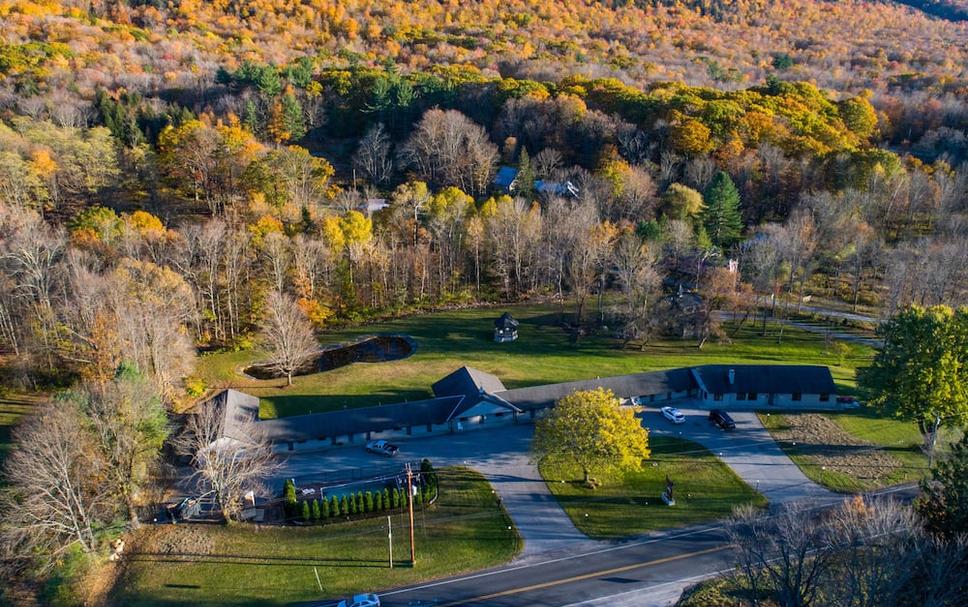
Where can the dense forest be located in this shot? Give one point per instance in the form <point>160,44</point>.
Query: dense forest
<point>176,176</point>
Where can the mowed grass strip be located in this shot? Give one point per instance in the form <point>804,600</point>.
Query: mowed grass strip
<point>250,565</point>
<point>628,504</point>
<point>544,353</point>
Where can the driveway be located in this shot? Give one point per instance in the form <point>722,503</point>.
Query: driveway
<point>749,450</point>
<point>500,454</point>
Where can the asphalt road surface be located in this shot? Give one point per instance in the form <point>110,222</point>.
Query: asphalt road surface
<point>647,572</point>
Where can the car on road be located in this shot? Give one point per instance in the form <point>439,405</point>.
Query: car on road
<point>673,415</point>
<point>382,447</point>
<point>361,600</point>
<point>722,419</point>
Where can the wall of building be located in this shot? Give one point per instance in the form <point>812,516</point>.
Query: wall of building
<point>780,401</point>
<point>468,424</point>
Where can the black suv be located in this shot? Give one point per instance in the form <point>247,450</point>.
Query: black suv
<point>722,419</point>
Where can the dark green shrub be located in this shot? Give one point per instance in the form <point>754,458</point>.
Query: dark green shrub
<point>305,511</point>
<point>378,502</point>
<point>396,498</point>
<point>353,508</point>
<point>317,513</point>
<point>344,506</point>
<point>368,502</point>
<point>324,510</point>
<point>387,504</point>
<point>359,502</point>
<point>334,509</point>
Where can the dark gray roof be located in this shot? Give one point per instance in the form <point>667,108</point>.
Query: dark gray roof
<point>237,407</point>
<point>764,379</point>
<point>506,321</point>
<point>624,386</point>
<point>468,382</point>
<point>362,419</point>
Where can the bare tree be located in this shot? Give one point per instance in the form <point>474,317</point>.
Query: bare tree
<point>230,454</point>
<point>55,496</point>
<point>287,335</point>
<point>789,549</point>
<point>373,157</point>
<point>447,148</point>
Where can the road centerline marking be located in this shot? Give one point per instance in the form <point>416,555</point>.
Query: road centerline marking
<point>585,576</point>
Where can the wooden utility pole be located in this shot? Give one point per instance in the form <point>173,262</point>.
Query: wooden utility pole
<point>390,540</point>
<point>413,551</point>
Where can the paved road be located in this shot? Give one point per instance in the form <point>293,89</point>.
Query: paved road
<point>749,450</point>
<point>648,572</point>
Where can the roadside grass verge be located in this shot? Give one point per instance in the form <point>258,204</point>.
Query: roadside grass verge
<point>853,451</point>
<point>629,504</point>
<point>210,565</point>
<point>544,353</point>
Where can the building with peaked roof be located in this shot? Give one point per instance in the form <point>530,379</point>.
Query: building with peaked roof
<point>505,328</point>
<point>506,179</point>
<point>470,398</point>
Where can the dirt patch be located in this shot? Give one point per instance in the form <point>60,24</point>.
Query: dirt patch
<point>173,539</point>
<point>824,443</point>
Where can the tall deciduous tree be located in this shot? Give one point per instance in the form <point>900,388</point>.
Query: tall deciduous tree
<point>287,336</point>
<point>919,374</point>
<point>944,498</point>
<point>721,215</point>
<point>230,455</point>
<point>592,429</point>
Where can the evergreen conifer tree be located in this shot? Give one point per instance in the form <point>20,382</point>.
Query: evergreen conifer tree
<point>721,215</point>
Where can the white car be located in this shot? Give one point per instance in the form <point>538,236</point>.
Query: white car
<point>382,447</point>
<point>673,415</point>
<point>361,600</point>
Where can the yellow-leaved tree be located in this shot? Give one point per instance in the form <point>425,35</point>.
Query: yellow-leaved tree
<point>592,429</point>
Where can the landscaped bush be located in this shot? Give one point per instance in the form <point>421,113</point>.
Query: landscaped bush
<point>289,495</point>
<point>396,498</point>
<point>370,507</point>
<point>334,506</point>
<point>317,513</point>
<point>324,512</point>
<point>386,499</point>
<point>305,511</point>
<point>352,502</point>
<point>344,506</point>
<point>378,501</point>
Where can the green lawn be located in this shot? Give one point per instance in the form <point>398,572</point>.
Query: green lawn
<point>628,504</point>
<point>543,354</point>
<point>12,409</point>
<point>245,565</point>
<point>854,450</point>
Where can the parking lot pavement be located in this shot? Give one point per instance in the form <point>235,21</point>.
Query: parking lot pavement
<point>749,450</point>
<point>500,454</point>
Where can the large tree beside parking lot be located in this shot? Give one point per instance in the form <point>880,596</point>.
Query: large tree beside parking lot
<point>592,429</point>
<point>919,374</point>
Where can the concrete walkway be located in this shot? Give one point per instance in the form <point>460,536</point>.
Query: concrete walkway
<point>749,451</point>
<point>500,454</point>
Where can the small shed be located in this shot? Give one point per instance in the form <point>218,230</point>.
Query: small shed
<point>505,328</point>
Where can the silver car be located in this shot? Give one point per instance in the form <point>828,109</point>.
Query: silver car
<point>673,415</point>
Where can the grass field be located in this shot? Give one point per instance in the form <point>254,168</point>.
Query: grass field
<point>243,565</point>
<point>544,353</point>
<point>12,409</point>
<point>854,450</point>
<point>628,504</point>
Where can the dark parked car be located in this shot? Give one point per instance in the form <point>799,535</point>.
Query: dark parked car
<point>722,419</point>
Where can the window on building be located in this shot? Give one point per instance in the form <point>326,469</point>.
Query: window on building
<point>740,396</point>
<point>824,397</point>
<point>718,396</point>
<point>797,396</point>
<point>753,396</point>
